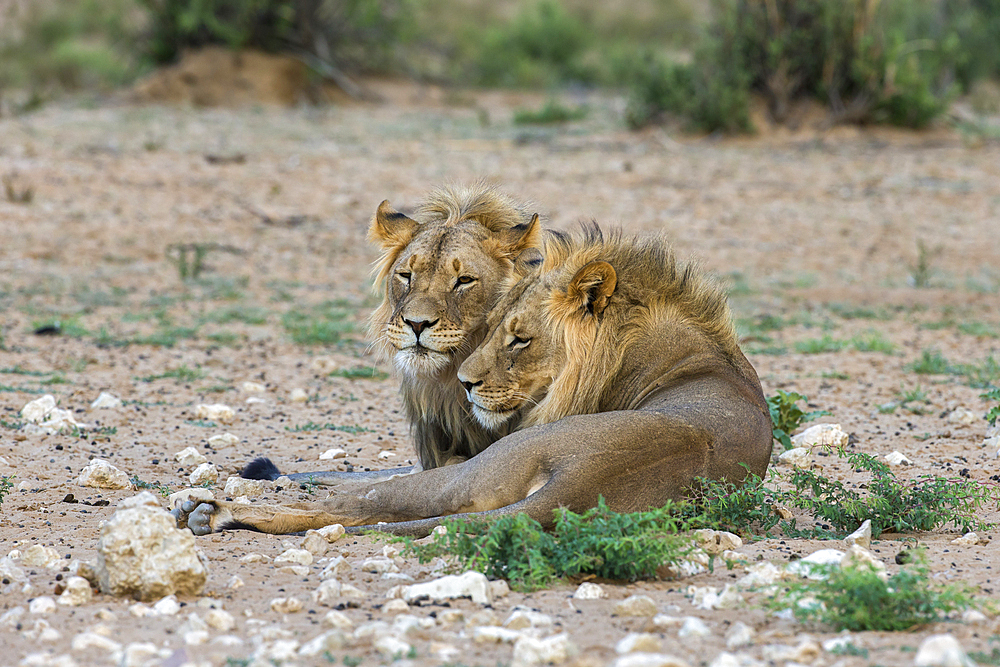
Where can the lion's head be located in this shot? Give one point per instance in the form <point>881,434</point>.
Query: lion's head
<point>441,271</point>
<point>561,339</point>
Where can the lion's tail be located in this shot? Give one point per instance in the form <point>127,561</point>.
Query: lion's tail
<point>261,468</point>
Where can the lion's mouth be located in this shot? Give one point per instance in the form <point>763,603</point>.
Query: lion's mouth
<point>492,419</point>
<point>418,360</point>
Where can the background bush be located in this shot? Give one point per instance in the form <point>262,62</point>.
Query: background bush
<point>895,61</point>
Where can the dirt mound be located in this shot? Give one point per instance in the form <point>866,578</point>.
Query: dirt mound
<point>216,76</point>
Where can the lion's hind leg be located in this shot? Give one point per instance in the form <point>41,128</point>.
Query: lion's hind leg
<point>211,516</point>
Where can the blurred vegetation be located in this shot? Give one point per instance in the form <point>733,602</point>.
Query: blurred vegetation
<point>894,61</point>
<point>868,61</point>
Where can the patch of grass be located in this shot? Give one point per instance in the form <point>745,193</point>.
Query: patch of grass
<point>84,433</point>
<point>360,373</point>
<point>850,649</point>
<point>786,416</point>
<point>979,329</point>
<point>165,336</point>
<point>55,379</point>
<point>14,426</point>
<point>835,375</point>
<point>598,542</point>
<point>983,658</point>
<point>182,374</point>
<point>756,328</point>
<point>217,389</point>
<point>850,312</point>
<point>906,400</point>
<point>203,423</point>
<point>858,599</point>
<point>922,270</point>
<point>553,112</point>
<point>931,362</point>
<point>225,338</point>
<point>982,375</point>
<point>773,350</point>
<point>826,343</point>
<point>23,390</point>
<point>324,325</point>
<point>158,487</point>
<point>17,370</point>
<point>313,426</point>
<point>872,341</point>
<point>245,314</point>
<point>6,484</point>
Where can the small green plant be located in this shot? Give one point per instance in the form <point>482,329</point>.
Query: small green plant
<point>203,423</point>
<point>15,195</point>
<point>983,658</point>
<point>599,542</point>
<point>352,661</point>
<point>84,433</point>
<point>858,599</point>
<point>150,486</point>
<point>826,343</point>
<point>872,341</point>
<point>189,258</point>
<point>553,112</point>
<point>313,426</point>
<point>786,416</point>
<point>324,325</point>
<point>360,373</point>
<point>6,484</point>
<point>922,270</point>
<point>992,395</point>
<point>931,362</point>
<point>14,425</point>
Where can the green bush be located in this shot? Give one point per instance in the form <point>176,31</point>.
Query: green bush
<point>898,62</point>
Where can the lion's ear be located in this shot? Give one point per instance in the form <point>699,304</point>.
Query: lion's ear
<point>390,228</point>
<point>591,288</point>
<point>519,238</point>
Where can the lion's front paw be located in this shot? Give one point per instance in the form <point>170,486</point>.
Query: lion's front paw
<point>199,516</point>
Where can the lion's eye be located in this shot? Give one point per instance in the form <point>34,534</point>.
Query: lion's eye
<point>518,343</point>
<point>464,280</point>
<point>404,276</point>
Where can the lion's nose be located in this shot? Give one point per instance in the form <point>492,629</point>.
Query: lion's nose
<point>469,385</point>
<point>420,325</point>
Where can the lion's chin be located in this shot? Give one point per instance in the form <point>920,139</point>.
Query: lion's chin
<point>421,362</point>
<point>492,419</point>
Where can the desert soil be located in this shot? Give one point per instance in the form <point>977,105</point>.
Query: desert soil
<point>822,232</point>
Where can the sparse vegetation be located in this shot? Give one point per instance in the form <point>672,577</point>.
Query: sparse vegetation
<point>922,270</point>
<point>313,426</point>
<point>858,599</point>
<point>994,412</point>
<point>323,325</point>
<point>553,112</point>
<point>158,487</point>
<point>359,373</point>
<point>6,484</point>
<point>189,258</point>
<point>182,374</point>
<point>598,542</point>
<point>982,375</point>
<point>786,416</point>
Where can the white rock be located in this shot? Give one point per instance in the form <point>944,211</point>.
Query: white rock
<point>856,557</point>
<point>693,627</point>
<point>740,635</point>
<point>390,647</point>
<point>40,556</point>
<point>337,566</point>
<point>760,574</point>
<point>650,660</point>
<point>42,605</point>
<point>526,618</point>
<point>276,653</point>
<point>821,435</point>
<point>76,593</point>
<point>726,659</point>
<point>235,582</point>
<point>100,474</point>
<point>105,401</point>
<point>315,543</point>
<point>206,472</point>
<point>167,606</point>
<point>220,619</point>
<point>37,410</point>
<point>338,619</point>
<point>974,617</point>
<point>45,659</point>
<point>368,631</point>
<point>499,588</point>
<point>897,459</point>
<point>638,642</point>
<point>962,417</point>
<point>967,540</point>
<point>298,395</point>
<point>195,637</point>
<point>253,557</point>
<point>492,634</point>
<point>862,537</point>
<point>394,607</point>
<point>87,640</point>
<point>709,597</point>
<point>635,605</point>
<point>43,632</point>
<point>467,585</point>
<point>589,591</point>
<point>941,651</point>
<point>142,554</point>
<point>288,605</point>
<point>805,652</point>
<point>715,542</point>
<point>297,570</point>
<point>385,454</point>
<point>138,654</point>
<point>223,440</point>
<point>551,650</point>
<point>331,640</point>
<point>335,453</point>
<point>800,457</point>
<point>328,592</point>
<point>198,493</point>
<point>189,457</point>
<point>813,565</point>
<point>838,644</point>
<point>256,400</point>
<point>379,565</point>
<point>237,486</point>
<point>249,387</point>
<point>216,412</point>
<point>293,557</point>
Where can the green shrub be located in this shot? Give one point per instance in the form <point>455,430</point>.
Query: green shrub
<point>598,542</point>
<point>553,112</point>
<point>786,416</point>
<point>890,62</point>
<point>858,599</point>
<point>992,395</point>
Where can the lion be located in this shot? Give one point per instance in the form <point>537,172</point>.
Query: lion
<point>622,369</point>
<point>439,273</point>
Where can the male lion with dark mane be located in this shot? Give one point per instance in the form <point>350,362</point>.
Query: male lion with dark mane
<point>624,369</point>
<point>440,272</point>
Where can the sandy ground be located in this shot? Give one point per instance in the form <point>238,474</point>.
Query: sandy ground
<point>822,232</point>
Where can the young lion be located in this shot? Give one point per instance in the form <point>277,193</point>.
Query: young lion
<point>440,272</point>
<point>626,367</point>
